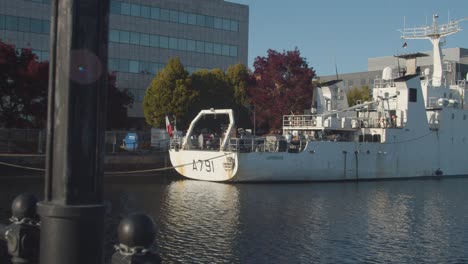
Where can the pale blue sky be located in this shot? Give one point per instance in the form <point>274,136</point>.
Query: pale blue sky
<point>350,31</point>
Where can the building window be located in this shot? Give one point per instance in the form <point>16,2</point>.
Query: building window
<point>174,16</point>
<point>226,24</point>
<point>173,43</point>
<point>154,41</point>
<point>350,83</point>
<point>115,7</point>
<point>200,46</point>
<point>226,50</point>
<point>163,42</point>
<point>114,36</point>
<point>36,26</point>
<point>233,52</point>
<point>182,45</point>
<point>134,38</point>
<point>218,23</point>
<point>125,8</point>
<point>11,23</point>
<point>2,22</point>
<point>217,49</point>
<point>124,37</point>
<point>135,10</point>
<point>124,65</point>
<point>413,95</point>
<point>155,13</point>
<point>192,19</point>
<point>183,18</point>
<point>145,12</point>
<point>134,66</point>
<point>234,25</point>
<point>191,45</point>
<point>23,24</point>
<point>209,48</point>
<point>144,39</point>
<point>164,14</point>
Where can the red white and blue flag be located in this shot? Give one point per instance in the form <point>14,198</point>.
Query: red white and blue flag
<point>169,127</point>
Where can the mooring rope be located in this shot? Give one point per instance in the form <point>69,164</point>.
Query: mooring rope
<point>117,172</point>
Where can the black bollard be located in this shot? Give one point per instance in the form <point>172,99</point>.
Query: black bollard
<point>22,236</point>
<point>136,235</point>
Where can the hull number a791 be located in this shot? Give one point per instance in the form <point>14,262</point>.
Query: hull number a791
<point>203,165</point>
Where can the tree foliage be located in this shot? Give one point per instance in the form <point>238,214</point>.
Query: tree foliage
<point>354,94</point>
<point>169,92</point>
<point>174,91</point>
<point>24,90</point>
<point>282,84</point>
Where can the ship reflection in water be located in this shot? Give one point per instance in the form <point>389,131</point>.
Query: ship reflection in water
<point>415,221</point>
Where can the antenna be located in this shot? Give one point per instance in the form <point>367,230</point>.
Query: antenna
<point>336,70</point>
<point>434,33</point>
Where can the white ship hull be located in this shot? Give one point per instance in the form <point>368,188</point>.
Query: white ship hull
<point>332,161</point>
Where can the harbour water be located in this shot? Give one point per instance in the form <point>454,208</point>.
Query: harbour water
<point>400,221</point>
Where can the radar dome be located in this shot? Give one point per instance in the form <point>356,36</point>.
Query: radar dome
<point>387,74</point>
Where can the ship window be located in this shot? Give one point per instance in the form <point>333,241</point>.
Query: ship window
<point>367,138</point>
<point>376,138</point>
<point>413,95</point>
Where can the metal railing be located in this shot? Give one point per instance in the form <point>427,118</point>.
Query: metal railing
<point>22,141</point>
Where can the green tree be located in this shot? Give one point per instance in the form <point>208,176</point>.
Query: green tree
<point>354,94</point>
<point>239,76</point>
<point>170,92</point>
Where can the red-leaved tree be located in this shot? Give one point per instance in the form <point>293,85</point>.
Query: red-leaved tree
<point>24,86</point>
<point>282,84</point>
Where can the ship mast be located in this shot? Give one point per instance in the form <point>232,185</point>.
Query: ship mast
<point>434,33</point>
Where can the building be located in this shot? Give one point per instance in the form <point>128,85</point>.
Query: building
<point>455,68</point>
<point>144,35</point>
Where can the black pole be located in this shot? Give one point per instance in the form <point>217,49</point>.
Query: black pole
<point>72,212</point>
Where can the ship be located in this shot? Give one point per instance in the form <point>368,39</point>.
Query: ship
<point>414,126</point>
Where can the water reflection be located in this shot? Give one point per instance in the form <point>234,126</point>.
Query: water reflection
<point>200,219</point>
<point>367,222</point>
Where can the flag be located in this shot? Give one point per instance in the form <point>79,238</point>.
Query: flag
<point>169,127</point>
<point>405,45</point>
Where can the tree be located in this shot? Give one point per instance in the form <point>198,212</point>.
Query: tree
<point>363,94</point>
<point>282,84</point>
<point>118,100</point>
<point>170,92</point>
<point>239,77</point>
<point>23,88</point>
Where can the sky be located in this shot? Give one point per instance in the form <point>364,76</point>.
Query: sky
<point>347,32</point>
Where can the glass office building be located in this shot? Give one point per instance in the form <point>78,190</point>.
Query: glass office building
<point>144,35</point>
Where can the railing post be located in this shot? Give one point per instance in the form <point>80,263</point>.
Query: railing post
<point>72,213</point>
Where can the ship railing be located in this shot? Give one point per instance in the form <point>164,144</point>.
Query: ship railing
<point>251,144</point>
<point>381,83</point>
<point>299,121</point>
